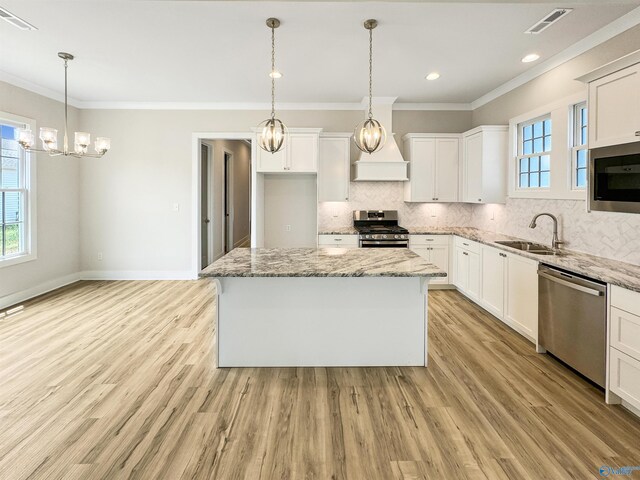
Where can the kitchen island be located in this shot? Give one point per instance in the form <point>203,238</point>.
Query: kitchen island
<point>321,307</point>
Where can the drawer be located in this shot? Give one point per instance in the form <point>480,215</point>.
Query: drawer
<point>338,240</point>
<point>626,300</point>
<point>467,244</point>
<point>625,332</point>
<point>624,376</point>
<point>429,240</point>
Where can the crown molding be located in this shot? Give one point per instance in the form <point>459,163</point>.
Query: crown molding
<point>39,89</point>
<point>598,37</point>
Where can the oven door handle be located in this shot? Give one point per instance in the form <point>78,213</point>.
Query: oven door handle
<point>383,242</point>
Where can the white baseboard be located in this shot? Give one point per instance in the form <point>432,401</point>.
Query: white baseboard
<point>17,297</point>
<point>137,275</point>
<point>241,241</point>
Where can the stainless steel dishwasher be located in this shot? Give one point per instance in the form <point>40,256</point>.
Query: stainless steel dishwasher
<point>572,319</point>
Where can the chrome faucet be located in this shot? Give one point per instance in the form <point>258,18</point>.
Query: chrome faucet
<point>555,243</point>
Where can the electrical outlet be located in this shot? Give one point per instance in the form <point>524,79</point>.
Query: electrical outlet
<point>176,207</point>
<point>99,256</point>
<point>287,228</point>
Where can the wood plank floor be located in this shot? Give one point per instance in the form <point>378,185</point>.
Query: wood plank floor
<point>105,380</point>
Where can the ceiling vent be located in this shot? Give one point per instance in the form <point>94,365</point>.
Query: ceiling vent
<point>15,21</point>
<point>549,20</point>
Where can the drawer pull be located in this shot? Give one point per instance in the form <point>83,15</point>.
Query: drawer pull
<point>638,133</point>
<point>337,239</point>
<point>465,253</point>
<point>465,244</point>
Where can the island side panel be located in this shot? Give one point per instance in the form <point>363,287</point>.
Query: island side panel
<point>322,321</point>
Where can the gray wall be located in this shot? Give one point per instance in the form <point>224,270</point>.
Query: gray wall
<point>58,206</point>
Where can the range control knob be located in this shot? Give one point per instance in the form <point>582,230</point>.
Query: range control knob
<point>367,236</point>
<point>384,236</point>
<point>396,236</point>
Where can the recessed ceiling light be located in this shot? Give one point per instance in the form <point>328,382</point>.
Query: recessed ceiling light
<point>532,57</point>
<point>433,76</point>
<point>275,74</point>
<point>15,20</point>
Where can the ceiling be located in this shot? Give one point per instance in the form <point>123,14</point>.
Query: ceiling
<point>219,52</point>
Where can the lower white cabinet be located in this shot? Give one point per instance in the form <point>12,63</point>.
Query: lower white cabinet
<point>521,306</point>
<point>466,267</point>
<point>494,271</point>
<point>624,345</point>
<point>340,241</point>
<point>434,249</point>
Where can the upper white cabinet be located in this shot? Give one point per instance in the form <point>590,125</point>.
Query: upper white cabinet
<point>433,167</point>
<point>614,108</point>
<point>334,167</point>
<point>299,154</point>
<point>484,164</point>
<point>434,249</point>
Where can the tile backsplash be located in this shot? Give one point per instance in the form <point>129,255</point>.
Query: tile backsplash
<point>611,235</point>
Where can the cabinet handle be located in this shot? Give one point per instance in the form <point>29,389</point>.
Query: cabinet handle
<point>479,199</point>
<point>503,255</point>
<point>429,239</point>
<point>465,253</point>
<point>638,133</point>
<point>337,239</point>
<point>465,244</point>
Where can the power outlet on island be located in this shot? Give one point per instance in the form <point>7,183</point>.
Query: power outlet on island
<point>99,256</point>
<point>287,228</point>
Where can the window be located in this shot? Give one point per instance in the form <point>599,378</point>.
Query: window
<point>534,150</point>
<point>579,150</point>
<point>14,194</point>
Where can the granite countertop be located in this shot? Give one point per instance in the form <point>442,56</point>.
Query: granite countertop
<point>615,272</point>
<point>323,262</point>
<point>339,231</point>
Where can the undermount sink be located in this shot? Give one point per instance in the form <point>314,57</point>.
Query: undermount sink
<point>530,247</point>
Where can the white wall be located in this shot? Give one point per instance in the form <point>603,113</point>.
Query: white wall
<point>57,203</point>
<point>290,200</point>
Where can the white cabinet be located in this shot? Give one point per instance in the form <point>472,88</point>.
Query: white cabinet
<point>299,154</point>
<point>433,167</point>
<point>334,167</point>
<point>467,267</point>
<point>492,295</point>
<point>339,241</point>
<point>434,249</point>
<point>624,345</point>
<point>521,306</point>
<point>484,164</point>
<point>614,108</point>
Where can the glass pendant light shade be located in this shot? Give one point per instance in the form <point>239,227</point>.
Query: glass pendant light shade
<point>272,135</point>
<point>49,137</point>
<point>102,145</point>
<point>26,138</point>
<point>370,136</point>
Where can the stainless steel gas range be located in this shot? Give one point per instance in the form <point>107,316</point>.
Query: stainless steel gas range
<point>380,229</point>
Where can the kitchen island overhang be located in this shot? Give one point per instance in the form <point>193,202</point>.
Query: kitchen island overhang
<point>321,307</point>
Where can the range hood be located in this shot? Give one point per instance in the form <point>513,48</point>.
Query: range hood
<point>386,164</point>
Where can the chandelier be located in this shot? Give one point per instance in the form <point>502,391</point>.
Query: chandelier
<point>370,135</point>
<point>272,131</point>
<point>49,136</point>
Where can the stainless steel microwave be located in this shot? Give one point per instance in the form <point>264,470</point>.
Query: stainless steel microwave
<point>614,178</point>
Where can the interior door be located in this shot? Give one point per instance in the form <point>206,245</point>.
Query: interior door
<point>205,221</point>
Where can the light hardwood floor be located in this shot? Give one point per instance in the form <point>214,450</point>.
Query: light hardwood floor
<point>105,380</point>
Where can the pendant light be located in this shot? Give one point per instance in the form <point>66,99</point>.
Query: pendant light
<point>49,136</point>
<point>369,134</point>
<point>272,132</point>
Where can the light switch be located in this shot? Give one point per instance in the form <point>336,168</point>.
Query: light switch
<point>176,207</point>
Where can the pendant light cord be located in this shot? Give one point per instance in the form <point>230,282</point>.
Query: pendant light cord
<point>370,71</point>
<point>66,141</point>
<point>273,69</point>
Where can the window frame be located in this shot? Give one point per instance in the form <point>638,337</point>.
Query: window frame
<point>576,135</point>
<point>520,152</point>
<point>29,213</point>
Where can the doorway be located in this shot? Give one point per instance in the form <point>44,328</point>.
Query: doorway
<point>224,206</point>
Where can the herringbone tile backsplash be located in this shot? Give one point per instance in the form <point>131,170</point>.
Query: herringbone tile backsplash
<point>611,235</point>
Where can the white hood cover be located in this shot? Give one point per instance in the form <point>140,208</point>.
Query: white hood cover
<point>387,163</point>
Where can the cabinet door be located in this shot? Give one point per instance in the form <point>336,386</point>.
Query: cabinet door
<point>522,295</point>
<point>439,256</point>
<point>333,170</point>
<point>493,274</point>
<point>472,176</point>
<point>302,155</point>
<point>614,108</point>
<point>421,169</point>
<point>271,162</point>
<point>446,174</point>
<point>461,262</point>
<point>473,290</point>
